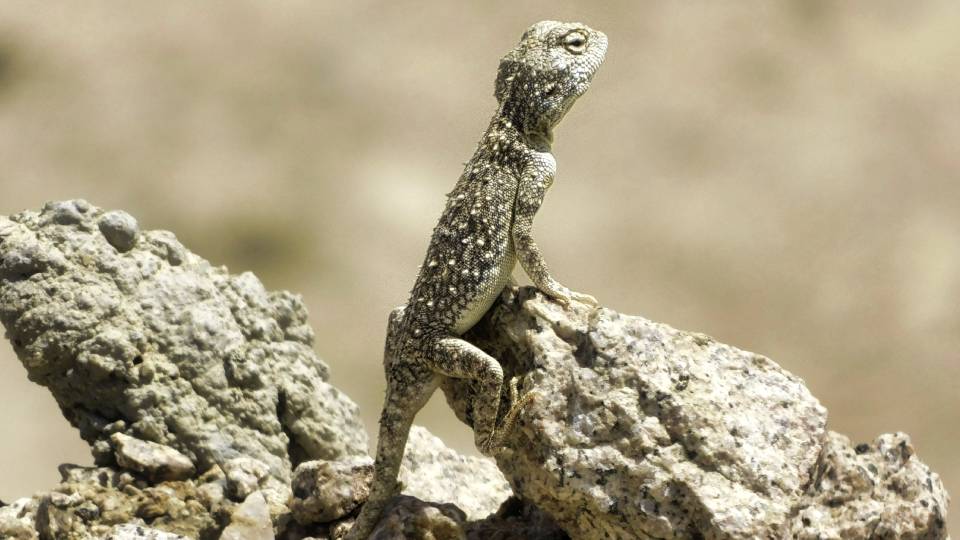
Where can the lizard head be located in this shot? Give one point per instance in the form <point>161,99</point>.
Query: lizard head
<point>551,67</point>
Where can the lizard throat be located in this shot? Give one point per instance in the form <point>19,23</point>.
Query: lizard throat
<point>540,141</point>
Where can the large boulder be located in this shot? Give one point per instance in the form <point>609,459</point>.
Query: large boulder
<point>139,339</point>
<point>641,430</point>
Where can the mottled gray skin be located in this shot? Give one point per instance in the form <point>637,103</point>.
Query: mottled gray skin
<point>483,231</point>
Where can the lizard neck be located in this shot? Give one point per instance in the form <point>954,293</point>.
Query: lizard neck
<point>504,126</point>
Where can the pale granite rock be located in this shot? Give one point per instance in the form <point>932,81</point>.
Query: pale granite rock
<point>244,476</point>
<point>641,430</point>
<point>878,490</point>
<point>433,472</point>
<point>18,519</point>
<point>154,461</point>
<point>250,520</point>
<point>132,531</point>
<point>324,491</point>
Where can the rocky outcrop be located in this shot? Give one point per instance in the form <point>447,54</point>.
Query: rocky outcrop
<point>209,416</point>
<point>198,390</point>
<point>878,490</point>
<point>135,335</point>
<point>641,430</point>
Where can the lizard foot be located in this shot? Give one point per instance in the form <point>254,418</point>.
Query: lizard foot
<point>584,298</point>
<point>565,296</point>
<point>494,443</point>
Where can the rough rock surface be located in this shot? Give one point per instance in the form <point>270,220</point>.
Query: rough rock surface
<point>642,430</point>
<point>91,501</point>
<point>408,517</point>
<point>250,520</point>
<point>199,393</point>
<point>155,461</point>
<point>431,471</point>
<point>134,334</point>
<point>138,532</point>
<point>324,491</point>
<point>878,490</point>
<point>171,368</point>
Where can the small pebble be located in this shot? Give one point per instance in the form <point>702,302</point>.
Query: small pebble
<point>120,229</point>
<point>63,212</point>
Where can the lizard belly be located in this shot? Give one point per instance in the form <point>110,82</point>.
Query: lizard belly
<point>487,294</point>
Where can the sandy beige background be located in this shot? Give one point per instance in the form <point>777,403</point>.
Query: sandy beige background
<point>782,175</point>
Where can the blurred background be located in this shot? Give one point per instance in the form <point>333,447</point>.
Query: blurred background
<point>783,176</point>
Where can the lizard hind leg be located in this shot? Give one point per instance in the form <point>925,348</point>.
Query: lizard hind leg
<point>409,386</point>
<point>459,359</point>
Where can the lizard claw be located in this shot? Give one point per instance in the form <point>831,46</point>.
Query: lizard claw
<point>584,298</point>
<point>495,442</point>
<point>557,292</point>
<point>565,296</point>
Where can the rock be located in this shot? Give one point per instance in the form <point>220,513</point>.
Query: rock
<point>643,430</point>
<point>871,491</point>
<point>155,461</point>
<point>638,430</point>
<point>55,518</point>
<point>65,212</point>
<point>516,519</point>
<point>324,491</point>
<point>92,500</point>
<point>431,471</point>
<point>120,229</point>
<point>135,335</point>
<point>408,517</point>
<point>250,520</point>
<point>244,476</point>
<point>132,531</point>
<point>18,519</point>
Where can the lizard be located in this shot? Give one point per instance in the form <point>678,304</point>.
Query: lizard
<point>484,230</point>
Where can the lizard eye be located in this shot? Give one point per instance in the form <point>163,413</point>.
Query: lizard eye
<point>575,42</point>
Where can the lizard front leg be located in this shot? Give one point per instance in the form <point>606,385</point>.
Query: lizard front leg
<point>530,192</point>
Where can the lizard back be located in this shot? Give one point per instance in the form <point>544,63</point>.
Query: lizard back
<point>470,257</point>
